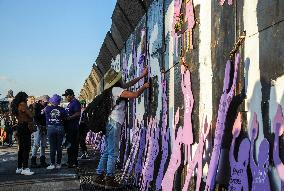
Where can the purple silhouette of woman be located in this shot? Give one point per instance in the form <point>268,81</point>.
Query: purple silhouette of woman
<point>278,125</point>
<point>260,170</point>
<point>238,179</point>
<point>225,100</point>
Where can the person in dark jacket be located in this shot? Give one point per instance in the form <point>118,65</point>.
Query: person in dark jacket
<point>25,117</point>
<point>72,127</point>
<point>41,134</point>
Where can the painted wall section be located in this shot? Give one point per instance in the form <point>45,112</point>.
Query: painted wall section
<point>164,140</point>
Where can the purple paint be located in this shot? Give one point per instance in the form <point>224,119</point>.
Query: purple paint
<point>197,160</point>
<point>131,158</point>
<point>152,138</point>
<point>165,133</point>
<point>238,179</point>
<point>225,101</point>
<point>278,125</point>
<point>175,159</point>
<point>138,165</point>
<point>260,170</point>
<point>188,105</point>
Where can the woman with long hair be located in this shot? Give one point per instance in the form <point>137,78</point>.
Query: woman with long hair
<point>24,116</point>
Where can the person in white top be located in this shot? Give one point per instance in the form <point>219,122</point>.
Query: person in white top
<point>120,94</point>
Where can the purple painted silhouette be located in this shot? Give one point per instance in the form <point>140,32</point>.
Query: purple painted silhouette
<point>138,165</point>
<point>96,140</point>
<point>278,125</point>
<point>165,133</point>
<point>152,146</point>
<point>225,101</point>
<point>188,105</point>
<point>131,157</point>
<point>175,160</point>
<point>260,170</point>
<point>238,179</point>
<point>197,159</point>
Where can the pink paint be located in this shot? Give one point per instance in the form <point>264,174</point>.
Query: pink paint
<point>197,160</point>
<point>175,159</point>
<point>278,125</point>
<point>230,2</point>
<point>225,101</point>
<point>238,179</point>
<point>260,170</point>
<point>188,105</point>
<point>152,138</point>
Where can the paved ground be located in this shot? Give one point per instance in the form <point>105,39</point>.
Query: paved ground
<point>58,179</point>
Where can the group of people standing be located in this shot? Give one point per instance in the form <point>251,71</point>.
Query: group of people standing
<point>46,119</point>
<point>55,122</point>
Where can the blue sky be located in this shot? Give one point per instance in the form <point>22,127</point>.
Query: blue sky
<point>47,46</point>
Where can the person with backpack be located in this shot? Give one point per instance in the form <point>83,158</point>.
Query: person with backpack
<point>54,115</point>
<point>72,127</point>
<point>40,136</point>
<point>119,95</point>
<point>23,132</point>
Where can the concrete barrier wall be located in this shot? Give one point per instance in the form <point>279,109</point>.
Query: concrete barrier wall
<point>164,129</point>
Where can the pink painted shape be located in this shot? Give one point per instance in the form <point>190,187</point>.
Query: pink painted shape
<point>237,126</point>
<point>278,125</point>
<point>175,159</point>
<point>152,146</point>
<point>225,101</point>
<point>197,160</point>
<point>238,179</point>
<point>188,105</point>
<point>230,2</point>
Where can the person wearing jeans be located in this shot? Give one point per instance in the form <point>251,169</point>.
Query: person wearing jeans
<point>23,133</point>
<point>106,167</point>
<point>40,135</point>
<point>108,158</point>
<point>55,115</point>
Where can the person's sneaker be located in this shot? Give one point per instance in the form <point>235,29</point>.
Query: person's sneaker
<point>58,166</point>
<point>100,180</point>
<point>27,172</point>
<point>111,183</point>
<point>19,170</point>
<point>51,167</point>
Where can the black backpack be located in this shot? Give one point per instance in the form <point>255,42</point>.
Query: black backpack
<point>96,114</point>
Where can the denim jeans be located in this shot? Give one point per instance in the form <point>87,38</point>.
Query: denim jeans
<point>109,156</point>
<point>39,141</point>
<point>55,135</point>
